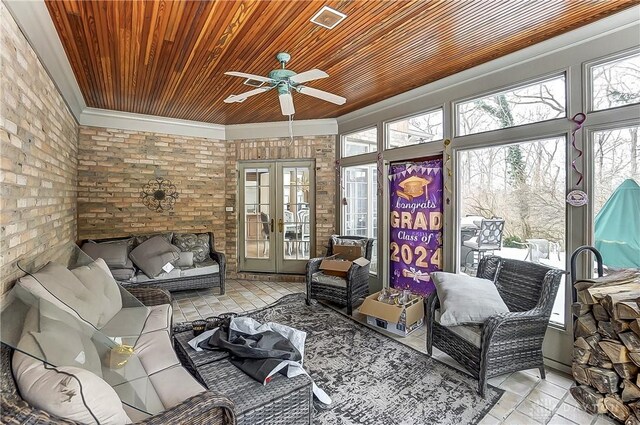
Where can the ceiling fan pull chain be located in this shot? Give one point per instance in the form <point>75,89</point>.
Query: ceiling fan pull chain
<point>291,129</point>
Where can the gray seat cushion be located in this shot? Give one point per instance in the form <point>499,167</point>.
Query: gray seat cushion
<point>327,279</point>
<point>208,266</point>
<point>470,333</point>
<point>153,254</point>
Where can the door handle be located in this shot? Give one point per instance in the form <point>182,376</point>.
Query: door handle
<point>280,225</point>
<point>272,224</point>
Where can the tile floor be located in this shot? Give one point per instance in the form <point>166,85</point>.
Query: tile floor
<point>527,400</point>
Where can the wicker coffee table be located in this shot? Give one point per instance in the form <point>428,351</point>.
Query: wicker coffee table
<point>283,401</point>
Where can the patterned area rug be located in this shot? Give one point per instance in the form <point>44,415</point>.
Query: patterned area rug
<point>373,379</point>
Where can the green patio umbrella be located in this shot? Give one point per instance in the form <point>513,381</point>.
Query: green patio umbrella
<point>617,227</point>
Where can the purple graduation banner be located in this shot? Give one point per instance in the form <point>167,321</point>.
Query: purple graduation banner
<point>415,247</point>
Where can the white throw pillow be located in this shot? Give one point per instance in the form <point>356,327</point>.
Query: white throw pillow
<point>466,299</point>
<point>98,279</point>
<point>59,286</point>
<point>68,392</point>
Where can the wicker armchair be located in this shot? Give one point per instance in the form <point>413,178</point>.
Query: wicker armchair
<point>207,408</point>
<point>506,342</point>
<point>342,293</point>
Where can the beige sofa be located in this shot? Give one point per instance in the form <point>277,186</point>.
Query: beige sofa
<point>76,309</point>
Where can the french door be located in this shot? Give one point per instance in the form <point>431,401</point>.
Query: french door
<point>277,215</point>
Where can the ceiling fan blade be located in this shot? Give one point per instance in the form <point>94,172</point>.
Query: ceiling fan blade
<point>250,76</point>
<point>243,96</point>
<point>286,104</point>
<point>320,94</point>
<point>312,74</point>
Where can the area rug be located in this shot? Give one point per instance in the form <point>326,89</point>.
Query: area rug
<point>373,379</point>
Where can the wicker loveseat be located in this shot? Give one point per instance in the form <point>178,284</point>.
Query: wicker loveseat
<point>506,342</point>
<point>206,408</point>
<point>209,273</point>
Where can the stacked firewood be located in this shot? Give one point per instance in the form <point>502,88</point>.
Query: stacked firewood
<point>606,350</point>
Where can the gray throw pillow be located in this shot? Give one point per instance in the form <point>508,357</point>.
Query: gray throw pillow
<point>114,253</point>
<point>196,243</point>
<point>466,299</point>
<point>138,239</point>
<point>153,254</point>
<point>185,260</point>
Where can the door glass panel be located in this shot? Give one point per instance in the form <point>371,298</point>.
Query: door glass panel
<point>360,211</point>
<point>256,213</point>
<point>296,214</point>
<point>513,205</point>
<point>615,190</point>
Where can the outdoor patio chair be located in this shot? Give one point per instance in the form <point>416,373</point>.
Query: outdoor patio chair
<point>488,239</point>
<point>342,291</point>
<point>265,231</point>
<point>506,342</point>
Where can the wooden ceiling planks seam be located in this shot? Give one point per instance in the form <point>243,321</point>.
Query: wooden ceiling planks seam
<point>168,58</point>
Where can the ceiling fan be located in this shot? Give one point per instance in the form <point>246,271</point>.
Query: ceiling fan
<point>285,81</point>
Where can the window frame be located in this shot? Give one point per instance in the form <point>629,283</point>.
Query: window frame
<point>455,121</point>
<point>387,128</point>
<point>587,88</point>
<point>343,137</point>
<point>371,189</point>
<point>457,203</point>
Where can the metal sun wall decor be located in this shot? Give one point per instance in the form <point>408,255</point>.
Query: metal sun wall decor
<point>159,195</point>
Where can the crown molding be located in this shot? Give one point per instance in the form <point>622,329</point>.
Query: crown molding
<point>319,127</point>
<point>94,117</point>
<point>614,23</point>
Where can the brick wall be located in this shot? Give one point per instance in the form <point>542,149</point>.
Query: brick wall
<point>320,148</point>
<point>114,165</point>
<point>38,149</point>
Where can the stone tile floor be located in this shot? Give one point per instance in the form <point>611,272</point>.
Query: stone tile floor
<point>527,400</point>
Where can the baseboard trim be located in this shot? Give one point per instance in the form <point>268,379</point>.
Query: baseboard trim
<point>557,365</point>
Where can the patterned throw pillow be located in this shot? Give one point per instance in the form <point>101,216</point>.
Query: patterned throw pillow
<point>196,243</point>
<point>142,238</point>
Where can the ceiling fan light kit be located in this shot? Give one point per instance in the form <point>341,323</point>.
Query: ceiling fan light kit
<point>285,80</point>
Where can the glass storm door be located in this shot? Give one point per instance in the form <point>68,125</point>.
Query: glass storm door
<point>277,216</point>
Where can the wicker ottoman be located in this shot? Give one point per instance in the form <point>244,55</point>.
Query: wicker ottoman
<point>283,401</point>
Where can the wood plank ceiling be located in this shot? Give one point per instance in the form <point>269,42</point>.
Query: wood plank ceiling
<point>167,58</point>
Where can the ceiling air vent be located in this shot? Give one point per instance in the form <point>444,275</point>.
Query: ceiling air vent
<point>327,17</point>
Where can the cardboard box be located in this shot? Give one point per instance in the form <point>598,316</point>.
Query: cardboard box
<point>347,252</point>
<point>342,259</point>
<point>335,267</point>
<point>390,317</point>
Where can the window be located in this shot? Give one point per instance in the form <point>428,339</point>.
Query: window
<point>364,141</point>
<point>615,83</point>
<point>361,210</point>
<point>616,175</point>
<point>540,101</point>
<point>418,129</point>
<point>516,191</point>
